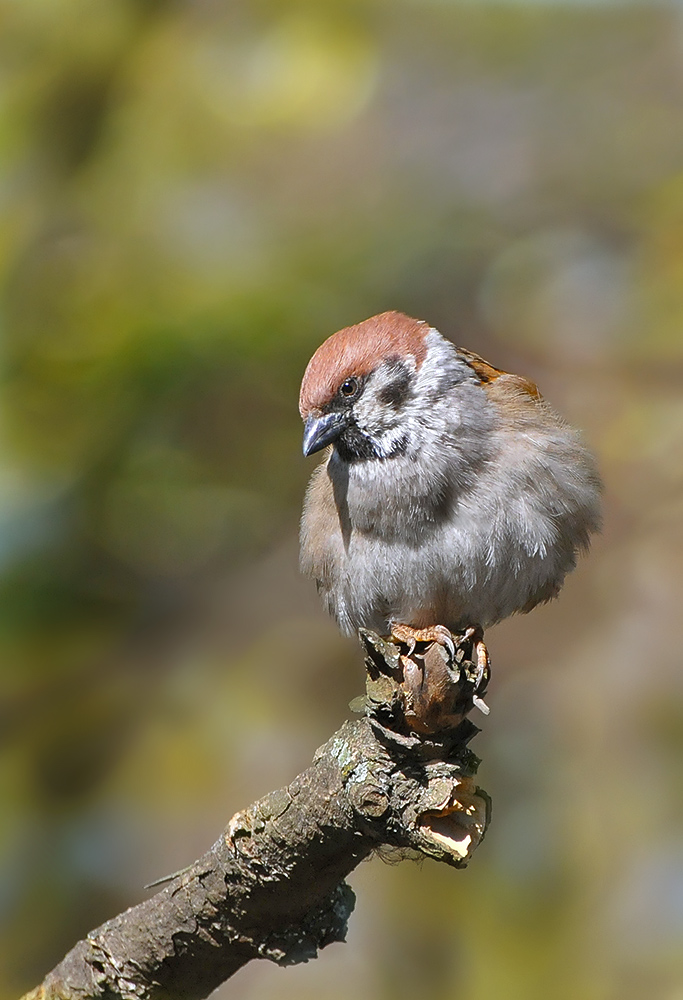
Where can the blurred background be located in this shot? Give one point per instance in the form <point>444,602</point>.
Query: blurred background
<point>195,193</point>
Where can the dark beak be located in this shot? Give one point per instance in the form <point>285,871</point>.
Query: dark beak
<point>323,430</point>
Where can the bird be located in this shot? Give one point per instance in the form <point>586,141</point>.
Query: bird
<point>450,495</point>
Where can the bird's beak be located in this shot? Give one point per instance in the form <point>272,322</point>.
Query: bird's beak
<point>323,430</point>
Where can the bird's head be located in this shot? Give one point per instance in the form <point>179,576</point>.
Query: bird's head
<point>378,389</point>
<point>365,384</point>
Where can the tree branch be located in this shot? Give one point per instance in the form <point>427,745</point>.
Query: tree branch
<point>273,885</point>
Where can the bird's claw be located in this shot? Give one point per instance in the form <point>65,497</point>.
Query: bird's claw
<point>411,636</point>
<point>483,661</point>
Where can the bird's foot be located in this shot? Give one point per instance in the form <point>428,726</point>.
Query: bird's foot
<point>469,643</point>
<point>411,636</point>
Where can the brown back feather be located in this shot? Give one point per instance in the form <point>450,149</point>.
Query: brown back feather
<point>487,374</point>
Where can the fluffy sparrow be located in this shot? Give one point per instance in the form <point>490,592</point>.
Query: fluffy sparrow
<point>450,494</point>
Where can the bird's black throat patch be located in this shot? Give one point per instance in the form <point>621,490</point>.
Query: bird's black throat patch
<point>354,446</point>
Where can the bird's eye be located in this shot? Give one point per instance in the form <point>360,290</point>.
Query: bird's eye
<point>349,387</point>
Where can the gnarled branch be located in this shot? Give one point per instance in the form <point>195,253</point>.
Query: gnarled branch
<point>273,885</point>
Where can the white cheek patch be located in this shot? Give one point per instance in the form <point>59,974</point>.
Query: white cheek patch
<point>391,441</point>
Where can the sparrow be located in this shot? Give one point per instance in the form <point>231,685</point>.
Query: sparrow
<point>450,494</point>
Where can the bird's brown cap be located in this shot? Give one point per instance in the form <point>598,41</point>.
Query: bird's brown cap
<point>358,350</point>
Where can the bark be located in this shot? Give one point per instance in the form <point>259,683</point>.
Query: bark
<point>272,886</point>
